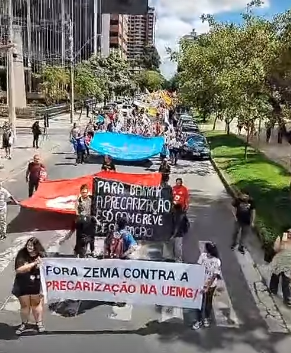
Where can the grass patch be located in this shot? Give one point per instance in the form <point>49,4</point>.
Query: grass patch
<point>267,182</point>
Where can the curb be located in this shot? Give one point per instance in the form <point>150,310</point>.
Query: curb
<point>233,192</point>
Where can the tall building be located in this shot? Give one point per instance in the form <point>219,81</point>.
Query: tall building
<point>119,34</point>
<point>141,33</point>
<point>42,28</point>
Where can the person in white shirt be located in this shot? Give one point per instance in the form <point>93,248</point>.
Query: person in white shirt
<point>211,261</point>
<point>4,197</point>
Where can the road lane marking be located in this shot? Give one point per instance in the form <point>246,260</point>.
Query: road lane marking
<point>10,253</point>
<point>223,310</point>
<point>11,303</point>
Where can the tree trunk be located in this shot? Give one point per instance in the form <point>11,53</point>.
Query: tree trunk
<point>247,143</point>
<point>227,126</point>
<point>214,122</point>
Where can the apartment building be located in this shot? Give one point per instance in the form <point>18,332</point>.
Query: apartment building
<point>141,33</point>
<point>118,38</point>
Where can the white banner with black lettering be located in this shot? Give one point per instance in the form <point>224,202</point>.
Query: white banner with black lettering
<point>130,281</point>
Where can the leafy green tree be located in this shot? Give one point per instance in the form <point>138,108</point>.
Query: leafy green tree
<point>150,59</point>
<point>172,84</point>
<point>224,72</point>
<point>54,83</point>
<point>150,80</point>
<point>115,74</point>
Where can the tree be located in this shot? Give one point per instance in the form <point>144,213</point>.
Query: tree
<point>115,73</point>
<point>225,72</point>
<point>150,80</point>
<point>150,59</point>
<point>172,84</point>
<point>54,83</point>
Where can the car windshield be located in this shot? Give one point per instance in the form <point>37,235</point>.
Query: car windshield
<point>196,139</point>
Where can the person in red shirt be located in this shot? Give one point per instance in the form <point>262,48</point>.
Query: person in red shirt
<point>181,194</point>
<point>33,174</point>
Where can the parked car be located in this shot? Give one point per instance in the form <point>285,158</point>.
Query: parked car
<point>196,146</point>
<point>187,128</point>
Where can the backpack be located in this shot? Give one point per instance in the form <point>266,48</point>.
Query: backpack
<point>114,246</point>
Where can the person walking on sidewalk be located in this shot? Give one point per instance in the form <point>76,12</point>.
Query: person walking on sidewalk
<point>33,174</point>
<point>7,140</point>
<point>281,267</point>
<point>36,132</point>
<point>244,219</point>
<point>4,197</point>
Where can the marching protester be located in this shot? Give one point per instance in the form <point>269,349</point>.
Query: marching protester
<point>84,223</point>
<point>174,146</point>
<point>281,267</point>
<point>27,284</point>
<point>80,149</point>
<point>212,263</point>
<point>165,170</point>
<point>245,213</point>
<point>181,195</point>
<point>34,174</point>
<point>4,197</point>
<point>108,165</point>
<point>120,244</point>
<point>36,132</point>
<point>181,227</point>
<point>7,139</point>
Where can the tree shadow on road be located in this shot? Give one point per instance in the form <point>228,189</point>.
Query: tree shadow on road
<point>29,220</point>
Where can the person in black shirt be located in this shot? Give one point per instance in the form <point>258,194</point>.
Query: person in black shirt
<point>27,285</point>
<point>245,216</point>
<point>108,165</point>
<point>165,169</point>
<point>180,228</point>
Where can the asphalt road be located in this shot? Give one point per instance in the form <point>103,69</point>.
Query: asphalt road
<point>245,318</point>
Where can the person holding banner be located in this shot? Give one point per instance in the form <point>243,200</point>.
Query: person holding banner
<point>27,284</point>
<point>108,165</point>
<point>212,263</point>
<point>121,244</point>
<point>84,223</point>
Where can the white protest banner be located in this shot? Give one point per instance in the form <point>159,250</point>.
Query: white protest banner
<point>130,281</point>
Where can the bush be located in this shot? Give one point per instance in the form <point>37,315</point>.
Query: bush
<point>266,181</point>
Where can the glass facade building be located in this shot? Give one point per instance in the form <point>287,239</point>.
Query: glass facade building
<point>44,29</point>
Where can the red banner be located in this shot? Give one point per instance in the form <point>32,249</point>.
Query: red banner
<point>61,195</point>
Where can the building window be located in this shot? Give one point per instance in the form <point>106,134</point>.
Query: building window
<point>114,22</point>
<point>113,34</point>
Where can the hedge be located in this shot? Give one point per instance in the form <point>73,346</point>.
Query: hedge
<point>267,182</point>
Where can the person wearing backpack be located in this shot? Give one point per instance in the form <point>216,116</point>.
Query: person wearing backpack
<point>120,244</point>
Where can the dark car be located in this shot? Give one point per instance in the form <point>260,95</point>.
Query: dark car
<point>189,127</point>
<point>196,146</point>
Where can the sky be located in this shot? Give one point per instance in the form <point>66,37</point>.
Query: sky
<point>176,18</point>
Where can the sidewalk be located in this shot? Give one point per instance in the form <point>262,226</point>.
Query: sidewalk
<point>58,137</point>
<point>279,153</point>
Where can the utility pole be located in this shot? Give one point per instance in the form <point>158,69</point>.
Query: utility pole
<point>72,81</point>
<point>10,71</point>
